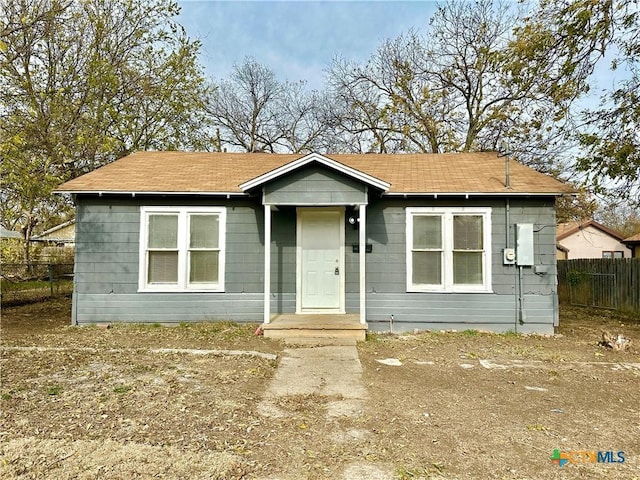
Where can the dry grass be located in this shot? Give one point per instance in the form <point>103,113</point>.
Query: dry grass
<point>37,458</point>
<point>105,403</point>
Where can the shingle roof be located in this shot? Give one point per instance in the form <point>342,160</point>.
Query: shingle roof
<point>633,239</point>
<point>191,172</point>
<point>563,230</point>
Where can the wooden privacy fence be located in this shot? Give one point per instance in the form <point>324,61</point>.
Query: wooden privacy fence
<point>600,282</point>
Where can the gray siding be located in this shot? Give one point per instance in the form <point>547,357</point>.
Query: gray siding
<point>107,253</point>
<point>386,272</point>
<point>107,256</point>
<point>314,185</point>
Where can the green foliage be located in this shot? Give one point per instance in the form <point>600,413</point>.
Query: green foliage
<point>84,83</point>
<point>54,390</point>
<point>121,389</point>
<point>575,277</point>
<point>621,217</point>
<point>560,43</point>
<point>576,208</point>
<point>11,250</point>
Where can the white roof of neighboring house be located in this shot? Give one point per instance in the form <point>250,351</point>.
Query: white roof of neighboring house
<point>57,233</point>
<point>4,233</point>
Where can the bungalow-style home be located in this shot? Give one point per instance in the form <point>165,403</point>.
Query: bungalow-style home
<point>589,239</point>
<point>633,242</point>
<point>379,241</point>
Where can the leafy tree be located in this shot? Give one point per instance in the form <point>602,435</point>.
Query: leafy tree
<point>623,218</point>
<point>561,42</point>
<point>84,83</point>
<point>576,208</point>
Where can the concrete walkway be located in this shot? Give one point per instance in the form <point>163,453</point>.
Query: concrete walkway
<point>330,371</point>
<point>334,372</point>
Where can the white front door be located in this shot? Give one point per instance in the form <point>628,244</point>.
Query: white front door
<point>320,258</point>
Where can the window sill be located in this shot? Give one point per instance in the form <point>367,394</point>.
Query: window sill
<point>180,290</point>
<point>442,290</point>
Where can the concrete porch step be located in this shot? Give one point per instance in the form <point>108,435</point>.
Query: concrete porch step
<point>319,341</point>
<point>313,328</point>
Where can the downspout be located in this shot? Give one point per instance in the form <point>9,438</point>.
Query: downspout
<point>521,314</point>
<point>507,225</point>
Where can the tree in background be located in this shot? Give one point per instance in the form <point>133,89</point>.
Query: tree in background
<point>623,218</point>
<point>84,83</point>
<point>258,113</point>
<point>578,208</point>
<point>458,88</point>
<point>561,42</point>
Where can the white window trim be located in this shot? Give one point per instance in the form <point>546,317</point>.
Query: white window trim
<point>447,214</point>
<point>183,249</point>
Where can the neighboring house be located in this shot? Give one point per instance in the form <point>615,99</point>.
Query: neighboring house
<point>4,233</point>
<point>418,238</point>
<point>63,235</point>
<point>57,243</point>
<point>633,243</point>
<point>589,239</point>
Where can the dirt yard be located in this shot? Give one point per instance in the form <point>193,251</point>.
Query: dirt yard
<point>155,402</point>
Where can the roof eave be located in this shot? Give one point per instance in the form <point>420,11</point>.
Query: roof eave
<point>133,193</point>
<point>475,194</point>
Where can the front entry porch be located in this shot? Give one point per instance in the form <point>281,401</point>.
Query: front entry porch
<point>309,328</point>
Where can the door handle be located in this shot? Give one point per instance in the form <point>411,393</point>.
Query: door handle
<point>337,271</point>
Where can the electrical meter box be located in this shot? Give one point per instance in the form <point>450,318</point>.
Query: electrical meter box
<point>509,256</point>
<point>524,244</point>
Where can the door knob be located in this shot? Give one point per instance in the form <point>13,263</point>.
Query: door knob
<point>337,271</point>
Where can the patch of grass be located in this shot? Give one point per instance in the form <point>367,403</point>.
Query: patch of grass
<point>6,396</point>
<point>537,427</point>
<point>120,389</point>
<point>470,333</point>
<point>54,390</point>
<point>509,334</point>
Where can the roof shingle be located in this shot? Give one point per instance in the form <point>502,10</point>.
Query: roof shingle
<point>191,172</point>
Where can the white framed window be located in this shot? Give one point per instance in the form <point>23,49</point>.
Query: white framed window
<point>448,249</point>
<point>182,249</point>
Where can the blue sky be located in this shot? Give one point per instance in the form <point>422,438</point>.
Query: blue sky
<point>296,39</point>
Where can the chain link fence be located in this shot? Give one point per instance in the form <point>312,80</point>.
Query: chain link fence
<point>21,283</point>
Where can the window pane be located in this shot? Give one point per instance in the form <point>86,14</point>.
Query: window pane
<point>467,268</point>
<point>203,267</point>
<point>427,231</point>
<point>163,267</point>
<point>467,232</point>
<point>427,267</point>
<point>617,255</point>
<point>203,231</point>
<point>163,231</point>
